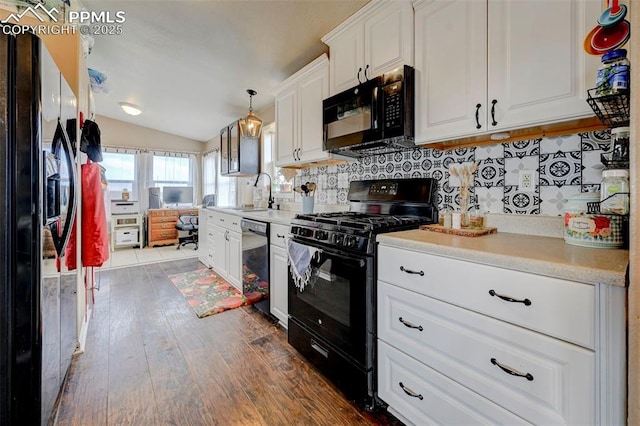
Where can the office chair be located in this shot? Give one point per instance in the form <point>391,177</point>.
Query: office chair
<point>188,223</point>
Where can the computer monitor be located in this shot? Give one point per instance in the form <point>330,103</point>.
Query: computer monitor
<point>176,195</point>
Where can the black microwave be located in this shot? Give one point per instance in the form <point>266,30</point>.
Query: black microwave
<point>374,117</point>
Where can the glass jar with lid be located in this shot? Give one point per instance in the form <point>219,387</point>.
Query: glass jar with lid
<point>620,144</point>
<point>613,74</point>
<point>614,192</point>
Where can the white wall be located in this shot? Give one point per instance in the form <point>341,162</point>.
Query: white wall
<point>118,133</point>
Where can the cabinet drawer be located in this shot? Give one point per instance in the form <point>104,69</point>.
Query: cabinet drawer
<point>162,219</point>
<point>462,344</point>
<point>162,213</point>
<point>438,400</point>
<point>278,235</point>
<point>127,236</point>
<point>162,225</point>
<point>564,309</point>
<point>163,234</point>
<point>227,221</point>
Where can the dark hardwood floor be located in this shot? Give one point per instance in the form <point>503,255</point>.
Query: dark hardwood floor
<point>150,361</point>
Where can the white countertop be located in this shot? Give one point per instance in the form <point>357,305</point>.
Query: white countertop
<point>539,255</point>
<point>282,217</point>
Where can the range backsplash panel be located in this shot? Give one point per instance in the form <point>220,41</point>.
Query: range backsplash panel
<point>564,166</point>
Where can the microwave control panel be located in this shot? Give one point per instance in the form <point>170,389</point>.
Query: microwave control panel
<point>392,105</point>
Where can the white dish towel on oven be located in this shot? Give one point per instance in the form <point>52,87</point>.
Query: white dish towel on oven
<point>299,257</point>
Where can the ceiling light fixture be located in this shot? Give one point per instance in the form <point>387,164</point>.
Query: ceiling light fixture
<point>130,109</point>
<point>250,126</point>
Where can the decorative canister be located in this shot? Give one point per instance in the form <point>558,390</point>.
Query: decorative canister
<point>587,227</point>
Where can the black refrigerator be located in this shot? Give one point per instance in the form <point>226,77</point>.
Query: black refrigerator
<point>38,312</point>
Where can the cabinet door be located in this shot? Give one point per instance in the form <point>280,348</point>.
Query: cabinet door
<point>312,89</point>
<point>451,69</point>
<point>224,151</point>
<point>347,59</point>
<point>234,148</point>
<point>220,263</point>
<point>234,259</point>
<point>388,39</point>
<point>278,284</point>
<point>286,126</point>
<point>538,72</point>
<point>203,242</point>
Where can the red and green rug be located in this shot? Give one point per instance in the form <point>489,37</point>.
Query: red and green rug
<point>208,293</point>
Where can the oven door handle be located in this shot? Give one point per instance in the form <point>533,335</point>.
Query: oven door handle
<point>262,234</point>
<point>316,347</point>
<point>342,255</point>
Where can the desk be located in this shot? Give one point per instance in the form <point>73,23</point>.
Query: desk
<point>161,225</point>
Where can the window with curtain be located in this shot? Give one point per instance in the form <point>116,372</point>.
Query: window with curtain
<point>209,173</point>
<point>226,193</point>
<point>282,184</point>
<point>120,172</point>
<point>172,170</point>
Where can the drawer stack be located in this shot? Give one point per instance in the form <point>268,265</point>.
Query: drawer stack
<point>162,225</point>
<point>464,343</point>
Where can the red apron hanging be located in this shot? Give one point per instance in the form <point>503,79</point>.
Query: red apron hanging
<point>95,238</point>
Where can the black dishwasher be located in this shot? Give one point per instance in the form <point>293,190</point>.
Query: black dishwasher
<point>255,260</point>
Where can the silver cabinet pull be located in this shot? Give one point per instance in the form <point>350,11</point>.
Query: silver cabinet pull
<point>409,271</point>
<point>410,392</point>
<point>410,324</point>
<point>511,371</point>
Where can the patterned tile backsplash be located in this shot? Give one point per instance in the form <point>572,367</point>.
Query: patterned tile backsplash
<point>563,167</point>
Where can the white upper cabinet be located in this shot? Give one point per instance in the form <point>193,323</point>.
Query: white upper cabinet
<point>299,129</point>
<point>451,69</point>
<point>376,39</point>
<point>488,66</point>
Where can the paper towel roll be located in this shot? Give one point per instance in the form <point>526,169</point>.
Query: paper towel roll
<point>247,195</point>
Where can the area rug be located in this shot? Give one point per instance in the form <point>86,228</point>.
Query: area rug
<point>208,293</point>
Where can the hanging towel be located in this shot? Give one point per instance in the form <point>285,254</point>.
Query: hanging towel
<point>299,258</point>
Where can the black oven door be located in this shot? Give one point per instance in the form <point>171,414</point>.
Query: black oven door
<point>337,303</point>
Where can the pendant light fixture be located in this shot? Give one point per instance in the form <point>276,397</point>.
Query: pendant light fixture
<point>250,126</point>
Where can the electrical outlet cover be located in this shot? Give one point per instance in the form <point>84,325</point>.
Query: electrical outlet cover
<point>526,180</point>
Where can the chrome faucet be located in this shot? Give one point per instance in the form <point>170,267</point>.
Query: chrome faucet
<point>270,200</point>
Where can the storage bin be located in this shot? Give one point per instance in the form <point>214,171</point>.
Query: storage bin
<point>126,236</point>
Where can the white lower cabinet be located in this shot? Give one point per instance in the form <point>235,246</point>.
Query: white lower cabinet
<point>203,237</point>
<point>466,343</point>
<point>421,395</point>
<point>555,384</point>
<point>220,245</point>
<point>279,274</point>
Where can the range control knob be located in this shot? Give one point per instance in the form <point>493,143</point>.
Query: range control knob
<point>321,235</point>
<point>350,241</point>
<point>337,239</point>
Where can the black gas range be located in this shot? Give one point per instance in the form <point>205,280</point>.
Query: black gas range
<point>332,321</point>
<point>352,231</point>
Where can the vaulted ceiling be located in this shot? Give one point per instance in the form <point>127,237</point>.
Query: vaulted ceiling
<point>188,63</point>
